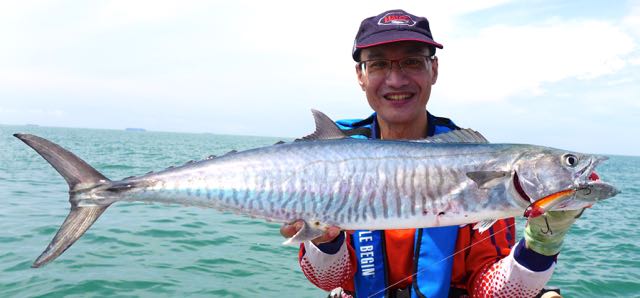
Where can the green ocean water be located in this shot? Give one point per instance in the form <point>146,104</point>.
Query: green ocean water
<point>142,250</point>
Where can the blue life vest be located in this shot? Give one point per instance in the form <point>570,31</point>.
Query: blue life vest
<point>433,246</point>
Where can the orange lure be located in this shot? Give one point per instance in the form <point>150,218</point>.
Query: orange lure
<point>541,206</point>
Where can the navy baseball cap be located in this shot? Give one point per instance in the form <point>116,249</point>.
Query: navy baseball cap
<point>392,26</point>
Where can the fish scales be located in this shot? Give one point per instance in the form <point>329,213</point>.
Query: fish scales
<point>298,169</point>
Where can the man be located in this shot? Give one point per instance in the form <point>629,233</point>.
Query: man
<point>396,67</point>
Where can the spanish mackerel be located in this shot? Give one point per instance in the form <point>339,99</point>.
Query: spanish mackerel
<point>328,179</point>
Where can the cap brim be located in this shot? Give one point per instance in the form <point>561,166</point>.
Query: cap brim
<point>391,37</point>
<point>395,36</point>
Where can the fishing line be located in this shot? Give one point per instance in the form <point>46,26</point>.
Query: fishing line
<point>450,256</point>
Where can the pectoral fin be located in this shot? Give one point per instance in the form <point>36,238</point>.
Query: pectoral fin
<point>488,179</point>
<point>484,225</point>
<point>306,233</point>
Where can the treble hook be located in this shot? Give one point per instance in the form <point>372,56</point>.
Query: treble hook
<point>548,231</point>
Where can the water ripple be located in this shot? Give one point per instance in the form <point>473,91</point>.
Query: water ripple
<point>139,250</point>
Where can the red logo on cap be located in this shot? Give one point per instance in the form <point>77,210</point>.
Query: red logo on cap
<point>396,19</point>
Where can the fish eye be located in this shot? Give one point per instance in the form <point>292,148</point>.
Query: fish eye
<point>570,160</point>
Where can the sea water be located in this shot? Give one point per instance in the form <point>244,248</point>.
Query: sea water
<point>156,250</point>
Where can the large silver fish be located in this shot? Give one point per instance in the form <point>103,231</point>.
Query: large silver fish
<point>331,180</point>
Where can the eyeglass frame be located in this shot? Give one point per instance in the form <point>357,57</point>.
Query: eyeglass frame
<point>362,66</point>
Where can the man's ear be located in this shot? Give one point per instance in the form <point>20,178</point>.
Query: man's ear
<point>360,75</point>
<point>434,70</point>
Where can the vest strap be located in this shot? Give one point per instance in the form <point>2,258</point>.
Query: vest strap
<point>371,277</point>
<point>433,262</point>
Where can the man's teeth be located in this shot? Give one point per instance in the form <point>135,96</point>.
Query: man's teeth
<point>398,97</point>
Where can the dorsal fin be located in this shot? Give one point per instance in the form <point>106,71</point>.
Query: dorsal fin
<point>326,129</point>
<point>465,135</point>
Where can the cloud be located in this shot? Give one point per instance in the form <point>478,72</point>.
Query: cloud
<point>632,20</point>
<point>502,61</point>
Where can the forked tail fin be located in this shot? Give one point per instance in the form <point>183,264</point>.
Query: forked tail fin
<point>79,175</point>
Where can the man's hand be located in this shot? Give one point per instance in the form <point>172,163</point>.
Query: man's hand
<point>545,234</point>
<point>288,230</point>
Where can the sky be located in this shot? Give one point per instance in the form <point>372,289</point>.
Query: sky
<point>563,74</point>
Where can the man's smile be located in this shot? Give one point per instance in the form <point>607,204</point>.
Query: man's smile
<point>398,96</point>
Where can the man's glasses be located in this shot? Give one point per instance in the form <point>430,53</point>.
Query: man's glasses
<point>413,65</point>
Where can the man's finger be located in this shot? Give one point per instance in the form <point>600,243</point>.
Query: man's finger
<point>328,236</point>
<point>290,229</point>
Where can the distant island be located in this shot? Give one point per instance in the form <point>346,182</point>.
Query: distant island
<point>134,129</point>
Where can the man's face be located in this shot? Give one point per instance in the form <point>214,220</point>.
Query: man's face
<point>400,97</point>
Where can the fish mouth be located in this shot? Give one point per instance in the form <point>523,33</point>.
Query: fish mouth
<point>589,187</point>
<point>586,173</point>
<point>596,190</point>
<point>519,189</point>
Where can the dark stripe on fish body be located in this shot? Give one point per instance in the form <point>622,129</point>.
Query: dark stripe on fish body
<point>383,197</point>
<point>222,197</point>
<point>452,178</point>
<point>363,192</point>
<point>303,205</point>
<point>249,200</point>
<point>412,191</point>
<point>362,196</point>
<point>345,196</point>
<point>305,198</point>
<point>424,193</point>
<point>234,196</point>
<point>397,194</point>
<point>260,196</point>
<point>313,198</point>
<point>335,195</point>
<point>372,196</point>
<point>249,204</point>
<point>439,185</point>
<point>272,204</point>
<point>356,204</point>
<point>280,197</point>
<point>246,196</point>
<point>226,196</point>
<point>329,202</point>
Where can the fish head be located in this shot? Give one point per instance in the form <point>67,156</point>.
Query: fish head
<point>547,171</point>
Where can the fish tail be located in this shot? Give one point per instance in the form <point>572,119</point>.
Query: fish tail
<point>80,176</point>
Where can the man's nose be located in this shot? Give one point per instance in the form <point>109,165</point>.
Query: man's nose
<point>396,76</point>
